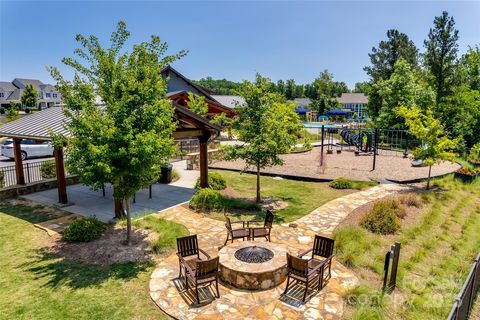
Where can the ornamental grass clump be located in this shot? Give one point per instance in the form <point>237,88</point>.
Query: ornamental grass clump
<point>384,217</point>
<point>84,230</point>
<point>411,200</point>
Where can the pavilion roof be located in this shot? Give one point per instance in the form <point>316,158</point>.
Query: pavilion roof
<point>40,125</point>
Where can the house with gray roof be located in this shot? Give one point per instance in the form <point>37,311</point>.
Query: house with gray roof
<point>356,102</point>
<point>12,92</point>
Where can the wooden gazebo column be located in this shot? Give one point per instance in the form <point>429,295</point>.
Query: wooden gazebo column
<point>203,141</point>
<point>61,180</point>
<point>17,155</point>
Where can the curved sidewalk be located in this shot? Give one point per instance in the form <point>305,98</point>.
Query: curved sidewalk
<point>168,292</point>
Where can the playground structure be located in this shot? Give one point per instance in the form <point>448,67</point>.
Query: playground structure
<point>366,141</point>
<point>313,116</point>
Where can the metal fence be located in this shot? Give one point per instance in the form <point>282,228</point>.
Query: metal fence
<point>389,141</point>
<point>31,170</point>
<point>466,298</point>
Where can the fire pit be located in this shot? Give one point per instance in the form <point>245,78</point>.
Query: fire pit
<point>253,265</point>
<point>254,254</point>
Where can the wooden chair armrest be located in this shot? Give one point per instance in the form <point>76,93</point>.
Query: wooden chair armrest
<point>204,253</point>
<point>253,221</point>
<point>329,258</point>
<point>319,266</point>
<point>301,254</point>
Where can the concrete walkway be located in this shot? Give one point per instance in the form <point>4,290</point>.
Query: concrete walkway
<point>168,293</point>
<point>87,202</point>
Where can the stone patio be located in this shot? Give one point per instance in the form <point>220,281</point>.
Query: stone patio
<point>169,294</point>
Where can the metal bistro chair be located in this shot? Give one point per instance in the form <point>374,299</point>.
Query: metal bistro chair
<point>322,254</point>
<point>188,252</point>
<point>302,271</point>
<point>263,232</point>
<point>233,234</point>
<point>203,272</point>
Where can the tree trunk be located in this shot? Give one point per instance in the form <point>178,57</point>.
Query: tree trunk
<point>428,179</point>
<point>258,184</point>
<point>129,221</point>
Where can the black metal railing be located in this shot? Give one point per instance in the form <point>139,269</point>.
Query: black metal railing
<point>466,298</point>
<point>32,173</point>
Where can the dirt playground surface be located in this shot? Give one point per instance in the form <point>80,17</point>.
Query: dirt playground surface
<point>389,165</point>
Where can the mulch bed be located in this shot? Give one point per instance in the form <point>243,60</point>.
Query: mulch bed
<point>389,165</point>
<point>106,250</point>
<point>356,215</point>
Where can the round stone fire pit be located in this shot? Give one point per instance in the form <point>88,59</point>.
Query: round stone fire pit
<point>253,265</point>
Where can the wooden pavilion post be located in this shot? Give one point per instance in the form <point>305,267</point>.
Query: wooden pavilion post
<point>61,180</point>
<point>204,159</point>
<point>17,155</point>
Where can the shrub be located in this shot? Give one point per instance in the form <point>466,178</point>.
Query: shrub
<point>382,219</point>
<point>391,205</point>
<point>411,200</point>
<point>84,230</point>
<point>206,199</point>
<point>12,114</point>
<point>47,169</point>
<point>215,181</point>
<point>341,183</point>
<point>27,110</point>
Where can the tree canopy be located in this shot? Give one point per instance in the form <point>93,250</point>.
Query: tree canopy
<point>436,146</point>
<point>197,104</point>
<point>125,142</point>
<point>266,123</point>
<point>29,96</point>
<point>440,57</point>
<point>403,88</point>
<point>388,52</point>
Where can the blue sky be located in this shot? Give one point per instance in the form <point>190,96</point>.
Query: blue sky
<point>227,39</point>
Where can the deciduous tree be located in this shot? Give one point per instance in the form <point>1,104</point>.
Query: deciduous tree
<point>266,124</point>
<point>126,141</point>
<point>29,97</point>
<point>436,146</point>
<point>197,104</point>
<point>403,88</point>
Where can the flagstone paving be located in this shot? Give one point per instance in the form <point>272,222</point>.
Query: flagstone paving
<point>169,293</point>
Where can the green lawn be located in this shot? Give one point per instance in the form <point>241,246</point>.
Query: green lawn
<point>438,250</point>
<point>35,284</point>
<point>302,197</point>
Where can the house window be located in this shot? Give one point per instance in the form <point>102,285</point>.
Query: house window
<point>2,95</point>
<point>47,95</point>
<point>55,95</point>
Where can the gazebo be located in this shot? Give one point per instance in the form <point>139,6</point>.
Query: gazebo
<point>39,126</point>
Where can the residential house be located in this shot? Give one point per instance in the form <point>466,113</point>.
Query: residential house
<point>48,96</point>
<point>302,103</point>
<point>355,102</point>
